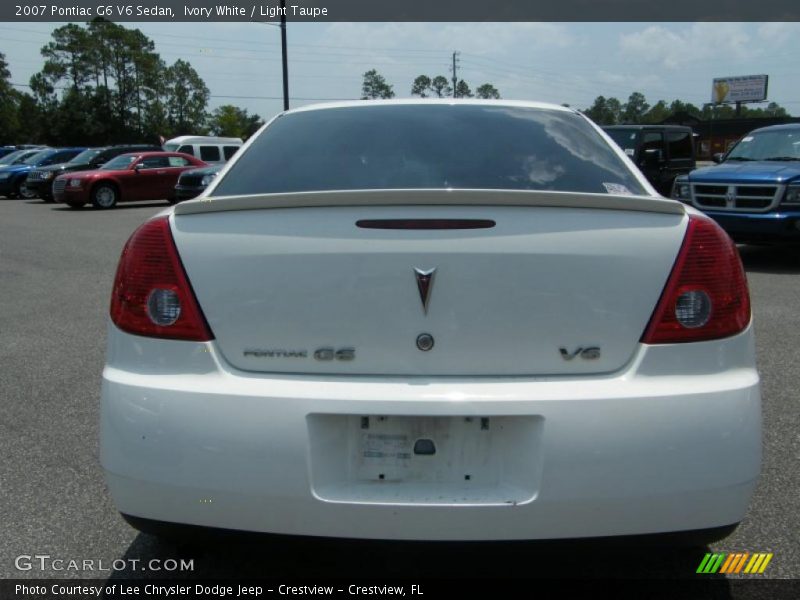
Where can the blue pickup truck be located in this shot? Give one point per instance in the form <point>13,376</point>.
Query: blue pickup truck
<point>754,193</point>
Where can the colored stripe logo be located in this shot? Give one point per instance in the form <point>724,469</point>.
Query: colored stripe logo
<point>735,562</point>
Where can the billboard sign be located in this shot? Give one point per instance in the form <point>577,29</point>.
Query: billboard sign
<point>747,88</point>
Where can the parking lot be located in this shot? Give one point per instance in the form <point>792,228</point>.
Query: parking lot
<point>56,271</point>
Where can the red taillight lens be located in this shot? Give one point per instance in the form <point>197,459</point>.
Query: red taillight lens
<point>706,296</point>
<point>152,295</point>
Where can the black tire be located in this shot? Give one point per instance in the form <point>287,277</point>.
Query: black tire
<point>74,204</point>
<point>105,196</point>
<point>25,193</point>
<point>47,199</point>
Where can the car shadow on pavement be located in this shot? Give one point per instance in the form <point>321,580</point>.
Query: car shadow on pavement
<point>771,259</point>
<point>310,559</point>
<point>124,206</point>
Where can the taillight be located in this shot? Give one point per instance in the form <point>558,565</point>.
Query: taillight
<point>706,296</point>
<point>152,295</point>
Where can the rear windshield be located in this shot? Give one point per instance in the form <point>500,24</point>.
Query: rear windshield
<point>429,146</point>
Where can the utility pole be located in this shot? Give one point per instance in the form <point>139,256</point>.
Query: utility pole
<point>283,53</point>
<point>455,73</point>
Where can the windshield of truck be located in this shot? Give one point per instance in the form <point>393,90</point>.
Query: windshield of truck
<point>779,144</point>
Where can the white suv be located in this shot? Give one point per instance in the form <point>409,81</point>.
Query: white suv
<point>213,150</point>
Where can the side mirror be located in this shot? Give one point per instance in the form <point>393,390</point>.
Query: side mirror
<point>651,157</point>
<point>138,167</point>
<point>718,157</point>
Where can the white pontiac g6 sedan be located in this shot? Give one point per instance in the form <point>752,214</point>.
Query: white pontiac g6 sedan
<point>431,320</point>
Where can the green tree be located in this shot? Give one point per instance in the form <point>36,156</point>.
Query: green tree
<point>232,121</point>
<point>604,111</point>
<point>775,110</point>
<point>487,91</point>
<point>187,98</point>
<point>33,124</point>
<point>657,113</point>
<point>421,86</point>
<point>67,56</point>
<point>678,106</point>
<point>441,87</point>
<point>462,90</point>
<point>374,86</point>
<point>103,83</point>
<point>9,105</point>
<point>635,108</point>
<point>613,114</point>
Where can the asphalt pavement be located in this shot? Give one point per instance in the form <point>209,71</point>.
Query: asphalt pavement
<point>56,270</point>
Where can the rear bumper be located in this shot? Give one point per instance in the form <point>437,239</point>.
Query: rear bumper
<point>760,227</point>
<point>186,439</point>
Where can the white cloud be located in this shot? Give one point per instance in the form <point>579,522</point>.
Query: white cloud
<point>777,34</point>
<point>476,38</point>
<point>676,48</point>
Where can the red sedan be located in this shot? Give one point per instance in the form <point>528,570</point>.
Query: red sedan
<point>126,178</point>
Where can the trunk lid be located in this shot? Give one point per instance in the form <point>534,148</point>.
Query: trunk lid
<point>560,284</point>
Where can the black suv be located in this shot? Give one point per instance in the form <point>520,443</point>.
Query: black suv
<point>662,152</point>
<point>40,181</point>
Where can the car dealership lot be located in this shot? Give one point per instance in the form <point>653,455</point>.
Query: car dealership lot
<point>56,270</point>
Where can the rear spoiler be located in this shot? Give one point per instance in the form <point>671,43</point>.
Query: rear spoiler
<point>430,197</point>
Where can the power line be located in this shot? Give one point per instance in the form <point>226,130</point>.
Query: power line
<point>302,98</point>
<point>257,43</point>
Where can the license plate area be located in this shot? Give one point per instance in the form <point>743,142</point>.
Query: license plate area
<point>425,459</point>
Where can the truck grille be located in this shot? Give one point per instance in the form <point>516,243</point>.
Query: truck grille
<point>35,176</point>
<point>736,197</point>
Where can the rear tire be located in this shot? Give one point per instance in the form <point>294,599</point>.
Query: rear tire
<point>104,196</point>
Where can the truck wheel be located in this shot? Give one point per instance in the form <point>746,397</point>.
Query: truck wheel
<point>104,196</point>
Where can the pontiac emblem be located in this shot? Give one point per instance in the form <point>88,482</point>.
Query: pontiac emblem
<point>424,285</point>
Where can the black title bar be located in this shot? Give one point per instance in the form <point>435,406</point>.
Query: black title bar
<point>402,10</point>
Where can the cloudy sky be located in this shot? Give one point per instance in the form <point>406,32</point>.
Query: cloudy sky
<point>552,62</point>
